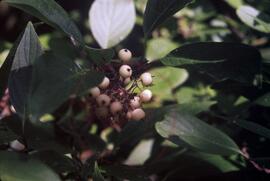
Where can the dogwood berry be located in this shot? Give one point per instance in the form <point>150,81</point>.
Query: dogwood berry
<point>146,95</point>
<point>137,114</point>
<point>103,100</point>
<point>116,107</point>
<point>94,92</point>
<point>125,71</point>
<point>146,79</point>
<point>105,83</point>
<point>125,55</point>
<point>127,81</point>
<point>135,102</point>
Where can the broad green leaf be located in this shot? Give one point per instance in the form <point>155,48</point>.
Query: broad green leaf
<point>6,66</point>
<point>99,56</point>
<point>111,21</point>
<point>254,18</point>
<point>165,80</point>
<point>51,13</point>
<point>19,167</point>
<point>220,61</point>
<point>29,49</point>
<point>235,3</point>
<point>158,11</point>
<point>97,175</point>
<point>6,135</point>
<point>55,79</point>
<point>183,128</point>
<point>264,100</point>
<point>253,127</point>
<point>56,161</point>
<point>159,47</point>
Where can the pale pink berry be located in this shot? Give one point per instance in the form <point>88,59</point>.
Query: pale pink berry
<point>116,107</point>
<point>94,92</point>
<point>137,114</point>
<point>146,95</point>
<point>146,79</point>
<point>105,83</point>
<point>135,102</point>
<point>125,55</point>
<point>103,100</point>
<point>125,71</point>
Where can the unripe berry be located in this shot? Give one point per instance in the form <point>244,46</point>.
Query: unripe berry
<point>125,71</point>
<point>127,81</point>
<point>116,107</point>
<point>146,79</point>
<point>102,112</point>
<point>16,145</point>
<point>125,55</point>
<point>105,83</point>
<point>103,100</point>
<point>146,95</point>
<point>94,92</point>
<point>137,114</point>
<point>135,102</point>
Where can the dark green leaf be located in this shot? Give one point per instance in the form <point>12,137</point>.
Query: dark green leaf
<point>19,167</point>
<point>220,61</point>
<point>99,56</point>
<point>180,127</point>
<point>97,175</point>
<point>253,127</point>
<point>6,135</point>
<point>6,67</point>
<point>157,11</point>
<point>55,79</point>
<point>29,49</point>
<point>264,100</point>
<point>51,13</point>
<point>59,163</point>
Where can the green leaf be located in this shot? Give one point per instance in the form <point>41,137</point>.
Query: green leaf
<point>182,128</point>
<point>158,11</point>
<point>100,56</point>
<point>58,162</point>
<point>97,175</point>
<point>6,135</point>
<point>254,18</point>
<point>220,61</point>
<point>29,49</point>
<point>165,80</point>
<point>264,100</point>
<point>55,79</point>
<point>253,127</point>
<point>51,13</point>
<point>6,67</point>
<point>19,167</point>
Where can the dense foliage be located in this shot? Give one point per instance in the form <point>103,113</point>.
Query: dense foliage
<point>209,115</point>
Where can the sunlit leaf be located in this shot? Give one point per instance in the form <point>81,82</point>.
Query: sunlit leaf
<point>254,18</point>
<point>111,21</point>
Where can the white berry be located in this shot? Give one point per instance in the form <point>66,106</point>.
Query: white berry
<point>116,107</point>
<point>146,95</point>
<point>135,102</point>
<point>95,92</point>
<point>16,145</point>
<point>103,100</point>
<point>105,83</point>
<point>137,114</point>
<point>129,115</point>
<point>125,71</point>
<point>127,81</point>
<point>102,112</point>
<point>146,79</point>
<point>125,55</point>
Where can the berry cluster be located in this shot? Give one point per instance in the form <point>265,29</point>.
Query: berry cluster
<point>119,97</point>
